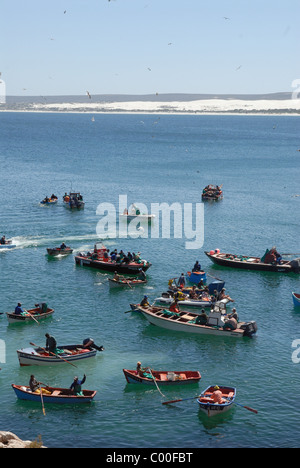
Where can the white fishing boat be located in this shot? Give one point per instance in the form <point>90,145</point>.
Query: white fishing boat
<point>189,322</point>
<point>67,353</point>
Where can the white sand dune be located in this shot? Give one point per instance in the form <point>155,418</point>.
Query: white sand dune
<point>201,106</point>
<point>278,103</point>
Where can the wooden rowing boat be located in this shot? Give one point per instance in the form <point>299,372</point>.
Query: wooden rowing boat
<point>189,322</point>
<point>97,259</point>
<point>210,407</point>
<point>113,283</point>
<point>58,251</point>
<point>296,299</point>
<point>248,263</point>
<point>39,357</point>
<point>55,395</point>
<point>28,315</point>
<point>162,377</point>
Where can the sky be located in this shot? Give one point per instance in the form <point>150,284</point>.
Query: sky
<point>68,47</point>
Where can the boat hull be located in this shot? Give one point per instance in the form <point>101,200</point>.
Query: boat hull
<point>36,357</point>
<point>210,408</point>
<point>58,395</point>
<point>125,268</point>
<point>117,284</point>
<point>183,322</point>
<point>253,263</point>
<point>163,378</point>
<point>57,252</point>
<point>296,299</point>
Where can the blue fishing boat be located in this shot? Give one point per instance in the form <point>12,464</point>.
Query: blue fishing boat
<point>296,299</point>
<point>54,395</point>
<point>212,406</point>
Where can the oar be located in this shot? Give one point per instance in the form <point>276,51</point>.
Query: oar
<point>247,407</point>
<point>181,399</point>
<point>290,254</point>
<point>56,355</point>
<point>42,400</point>
<point>32,317</point>
<point>156,383</point>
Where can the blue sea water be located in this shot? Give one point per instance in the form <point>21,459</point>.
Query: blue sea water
<point>151,159</point>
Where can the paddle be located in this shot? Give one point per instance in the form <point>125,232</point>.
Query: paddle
<point>181,399</point>
<point>150,371</point>
<point>32,317</point>
<point>290,254</point>
<point>56,355</point>
<point>42,400</point>
<point>193,398</point>
<point>247,407</point>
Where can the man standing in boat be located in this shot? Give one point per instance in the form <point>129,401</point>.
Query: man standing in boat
<point>50,343</point>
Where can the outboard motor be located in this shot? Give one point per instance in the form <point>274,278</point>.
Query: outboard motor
<point>250,328</point>
<point>295,264</point>
<point>89,343</point>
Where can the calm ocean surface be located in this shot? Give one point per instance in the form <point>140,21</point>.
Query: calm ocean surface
<point>151,159</point>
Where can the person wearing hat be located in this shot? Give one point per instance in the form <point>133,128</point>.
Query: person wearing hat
<point>18,309</point>
<point>217,396</point>
<point>145,302</point>
<point>76,386</point>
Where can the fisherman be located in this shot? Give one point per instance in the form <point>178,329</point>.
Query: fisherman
<point>174,307</point>
<point>197,267</point>
<point>33,384</point>
<point>181,281</point>
<point>202,318</point>
<point>217,395</point>
<point>145,302</point>
<point>50,343</point>
<point>18,309</point>
<point>141,276</point>
<point>76,386</point>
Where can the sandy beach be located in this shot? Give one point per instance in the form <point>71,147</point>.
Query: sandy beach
<point>173,104</point>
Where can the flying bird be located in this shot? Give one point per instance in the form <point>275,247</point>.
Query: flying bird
<point>90,97</point>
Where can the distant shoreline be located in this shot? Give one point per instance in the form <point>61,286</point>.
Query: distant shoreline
<point>191,104</point>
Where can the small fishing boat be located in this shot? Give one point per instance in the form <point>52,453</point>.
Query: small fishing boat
<point>113,283</point>
<point>210,407</point>
<point>49,201</point>
<point>250,263</point>
<point>40,357</point>
<point>212,192</point>
<point>7,244</point>
<point>54,395</point>
<point>296,299</point>
<point>190,322</point>
<point>30,315</point>
<point>59,251</point>
<point>135,214</point>
<point>162,377</point>
<point>97,259</point>
<point>74,201</point>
